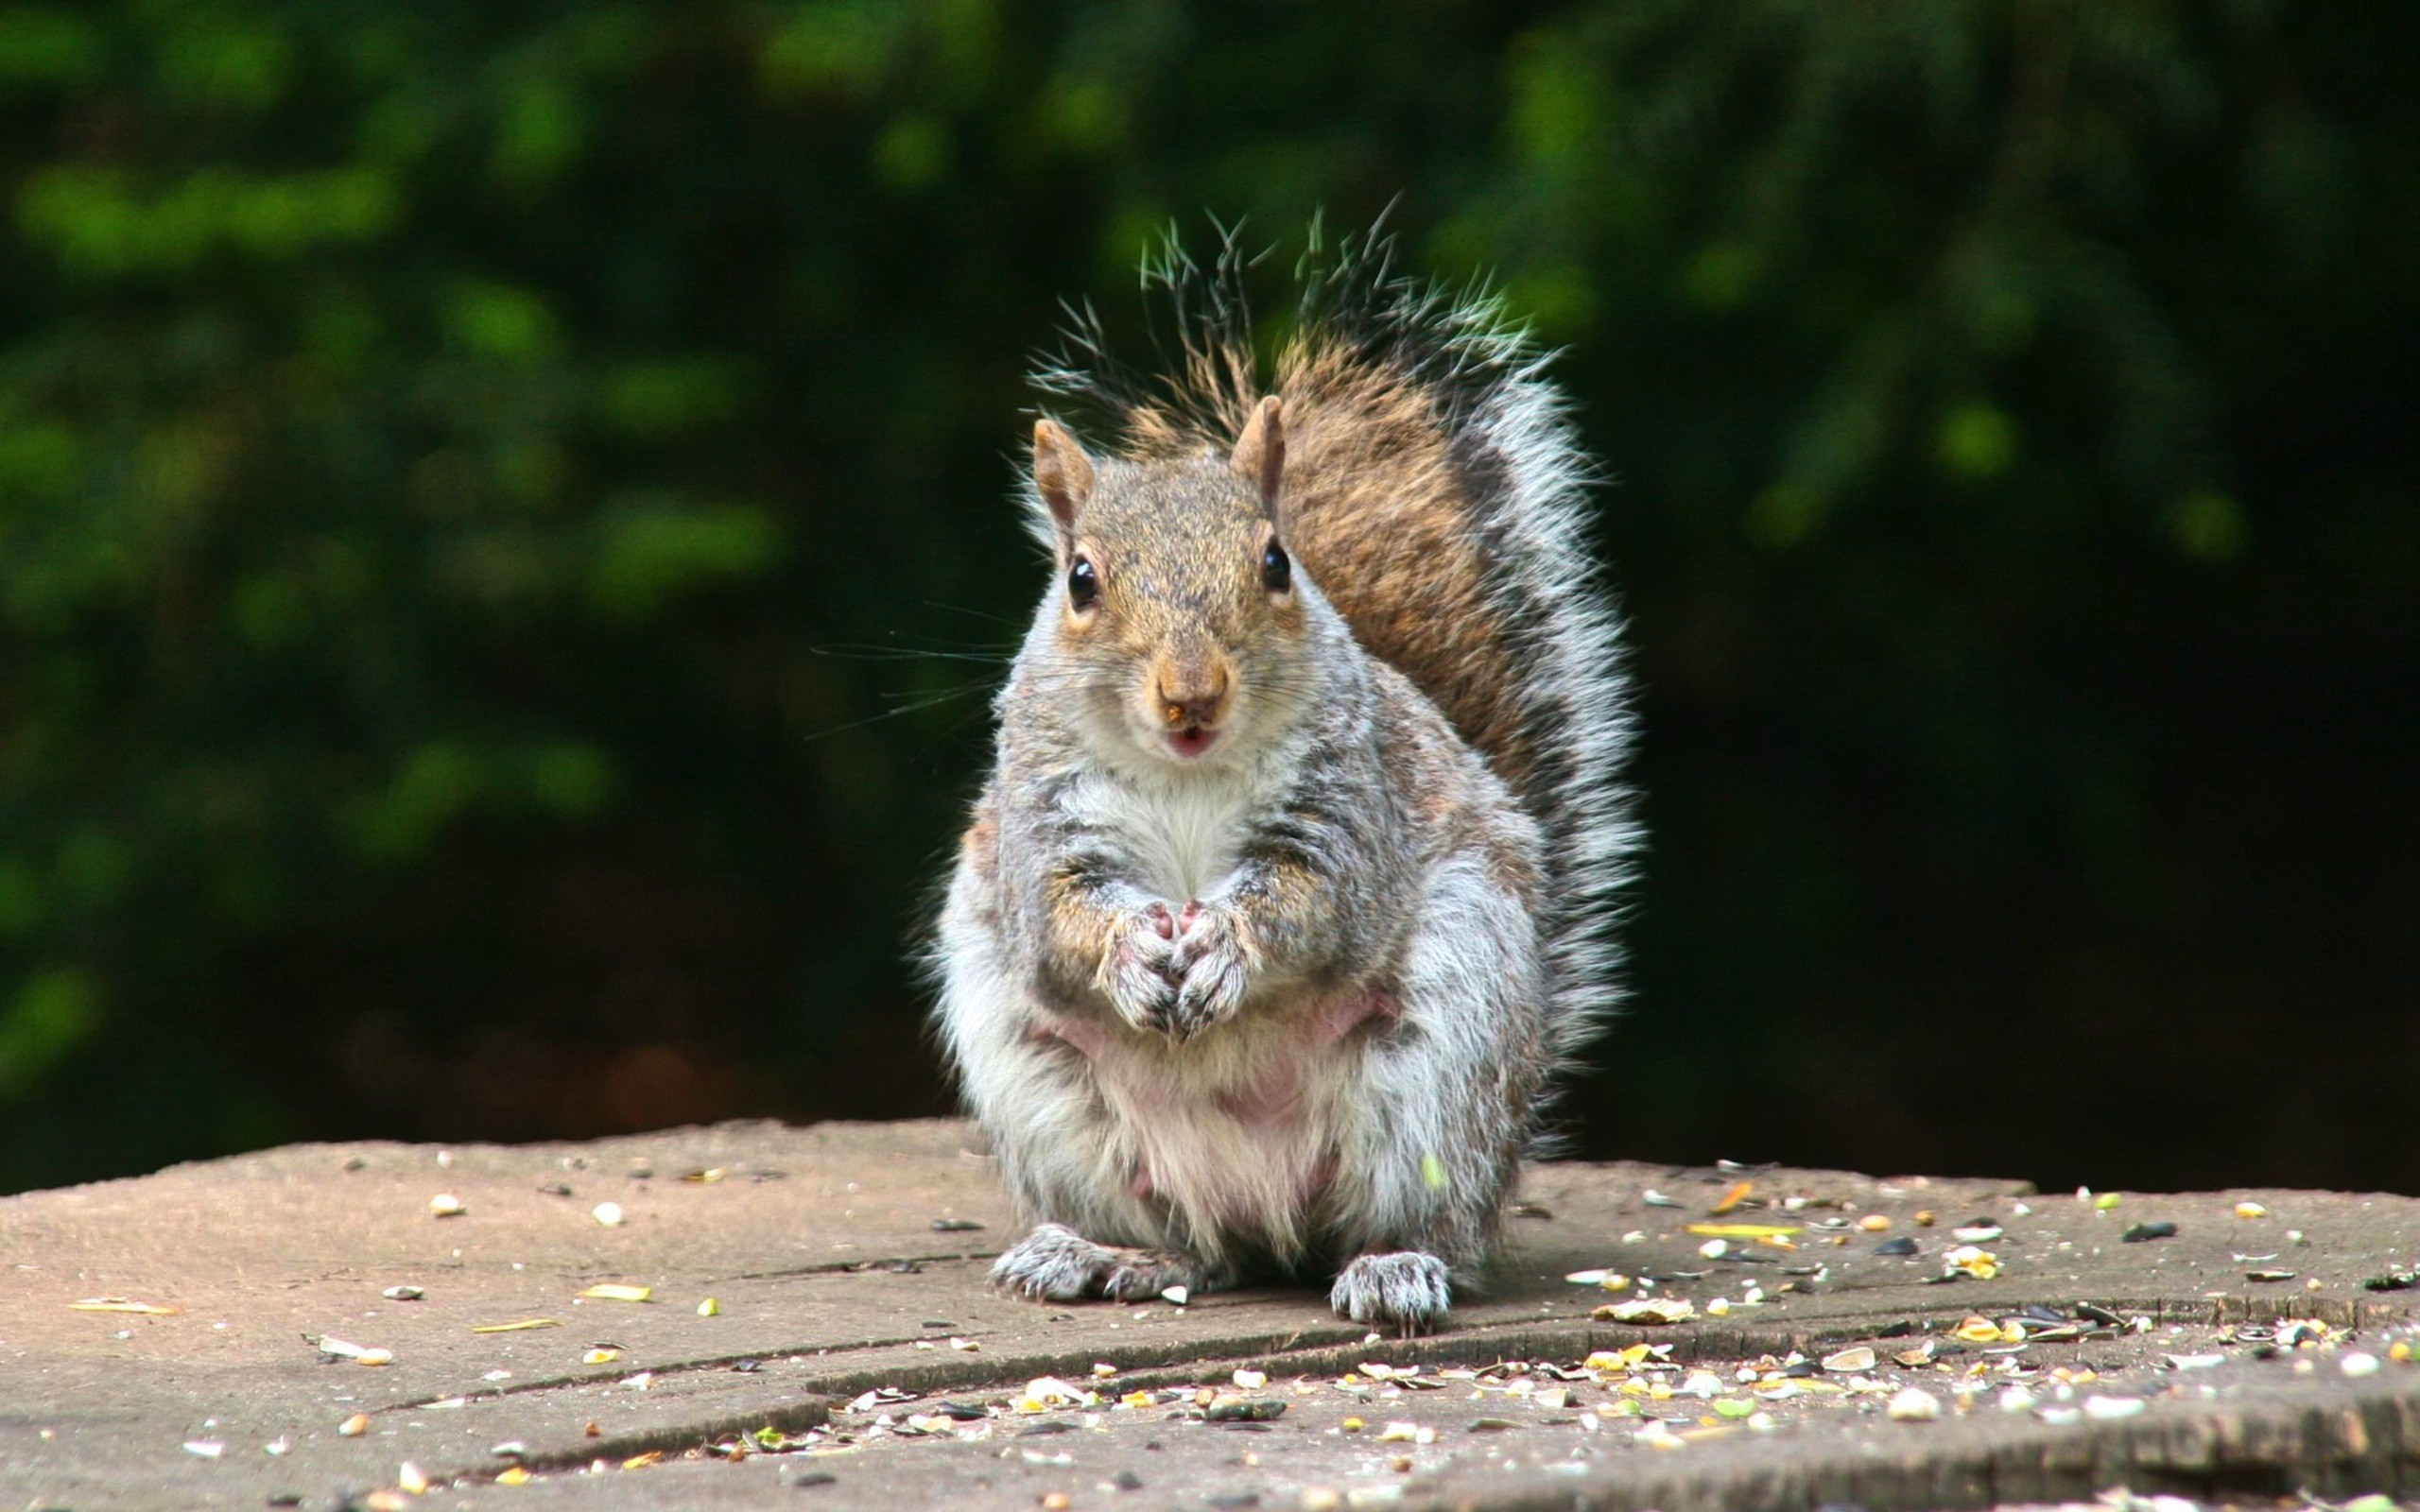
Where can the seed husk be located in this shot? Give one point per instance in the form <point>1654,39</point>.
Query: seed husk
<point>1645,1310</point>
<point>614,1291</point>
<point>1913,1406</point>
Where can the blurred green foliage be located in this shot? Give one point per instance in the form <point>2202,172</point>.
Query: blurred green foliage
<point>497,502</point>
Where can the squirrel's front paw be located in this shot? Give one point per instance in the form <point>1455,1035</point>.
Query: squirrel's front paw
<point>1210,964</point>
<point>1138,973</point>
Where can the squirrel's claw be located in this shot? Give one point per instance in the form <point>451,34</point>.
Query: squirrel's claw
<point>1409,1290</point>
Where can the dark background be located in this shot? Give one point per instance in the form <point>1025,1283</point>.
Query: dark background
<point>497,501</point>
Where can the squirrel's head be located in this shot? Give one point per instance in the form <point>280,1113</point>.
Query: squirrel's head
<point>1176,608</point>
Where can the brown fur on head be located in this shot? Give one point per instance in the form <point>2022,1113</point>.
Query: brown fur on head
<point>1175,593</point>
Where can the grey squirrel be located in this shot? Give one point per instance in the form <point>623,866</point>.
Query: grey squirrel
<point>1292,885</point>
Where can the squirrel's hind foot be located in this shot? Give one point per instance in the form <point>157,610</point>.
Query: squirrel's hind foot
<point>1054,1263</point>
<point>1408,1291</point>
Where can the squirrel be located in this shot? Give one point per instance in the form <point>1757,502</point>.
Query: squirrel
<point>1293,883</point>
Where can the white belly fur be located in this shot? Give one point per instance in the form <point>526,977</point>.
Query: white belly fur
<point>1179,832</point>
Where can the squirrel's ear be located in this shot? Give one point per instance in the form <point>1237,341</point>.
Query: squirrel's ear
<point>1062,474</point>
<point>1260,451</point>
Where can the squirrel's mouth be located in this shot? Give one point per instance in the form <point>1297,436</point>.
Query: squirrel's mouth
<point>1191,740</point>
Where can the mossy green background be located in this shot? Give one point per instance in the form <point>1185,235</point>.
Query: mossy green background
<point>503,519</point>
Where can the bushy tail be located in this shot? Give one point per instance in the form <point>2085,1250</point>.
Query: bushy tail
<point>1436,492</point>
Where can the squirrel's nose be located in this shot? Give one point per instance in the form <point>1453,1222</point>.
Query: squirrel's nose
<point>1192,696</point>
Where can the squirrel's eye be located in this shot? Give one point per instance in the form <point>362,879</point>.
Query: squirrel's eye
<point>1276,570</point>
<point>1083,585</point>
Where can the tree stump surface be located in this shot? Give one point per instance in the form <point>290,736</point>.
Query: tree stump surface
<point>838,1263</point>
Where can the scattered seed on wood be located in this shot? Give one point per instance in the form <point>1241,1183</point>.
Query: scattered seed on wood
<point>403,1293</point>
<point>614,1291</point>
<point>1913,1406</point>
<point>355,1426</point>
<point>2142,1231</point>
<point>447,1205</point>
<point>1645,1310</point>
<point>956,1225</point>
<point>1230,1408</point>
<point>608,1213</point>
<point>2270,1275</point>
